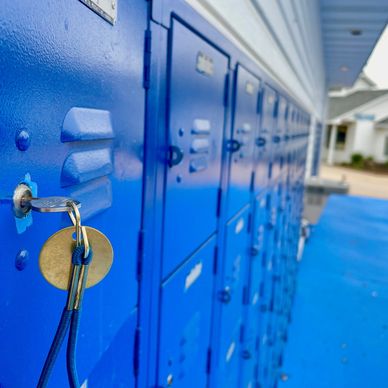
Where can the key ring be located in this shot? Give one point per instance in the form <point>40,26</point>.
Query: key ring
<point>70,318</point>
<point>81,234</point>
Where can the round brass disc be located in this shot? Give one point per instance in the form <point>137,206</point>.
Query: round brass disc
<point>56,253</point>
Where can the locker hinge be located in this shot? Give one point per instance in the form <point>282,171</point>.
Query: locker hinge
<point>136,351</point>
<point>215,260</point>
<point>249,227</point>
<point>140,254</point>
<point>226,90</point>
<point>209,361</point>
<point>245,296</point>
<point>264,259</point>
<point>147,60</point>
<point>252,184</point>
<point>219,196</point>
<point>242,329</point>
<point>259,100</point>
<point>270,170</point>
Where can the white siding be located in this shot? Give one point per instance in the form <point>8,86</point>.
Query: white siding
<point>364,140</point>
<point>380,138</point>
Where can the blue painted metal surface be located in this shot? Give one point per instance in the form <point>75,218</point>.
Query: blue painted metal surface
<point>339,319</point>
<point>55,57</point>
<point>245,129</point>
<point>196,114</point>
<point>185,321</point>
<point>231,296</point>
<point>141,122</point>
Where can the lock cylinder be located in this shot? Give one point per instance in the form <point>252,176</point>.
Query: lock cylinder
<point>22,200</point>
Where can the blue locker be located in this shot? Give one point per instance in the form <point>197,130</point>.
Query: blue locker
<point>260,220</point>
<point>231,298</point>
<point>242,145</point>
<point>66,86</point>
<point>278,143</point>
<point>250,333</point>
<point>264,140</point>
<point>195,135</point>
<point>184,334</point>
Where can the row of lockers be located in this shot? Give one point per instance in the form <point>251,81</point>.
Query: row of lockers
<point>188,156</point>
<point>230,209</point>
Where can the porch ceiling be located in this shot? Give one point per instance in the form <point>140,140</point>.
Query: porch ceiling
<point>350,30</point>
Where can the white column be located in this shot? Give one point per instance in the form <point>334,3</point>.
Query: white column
<point>333,138</point>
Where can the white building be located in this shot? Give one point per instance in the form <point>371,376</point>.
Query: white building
<point>357,123</point>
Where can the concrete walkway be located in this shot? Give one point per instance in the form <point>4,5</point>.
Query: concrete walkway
<point>361,183</point>
<point>338,337</point>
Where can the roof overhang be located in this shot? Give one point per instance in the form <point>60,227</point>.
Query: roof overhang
<point>374,110</point>
<point>350,30</point>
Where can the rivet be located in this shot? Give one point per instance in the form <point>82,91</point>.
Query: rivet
<point>181,131</point>
<point>284,377</point>
<point>179,178</point>
<point>22,139</point>
<point>21,259</point>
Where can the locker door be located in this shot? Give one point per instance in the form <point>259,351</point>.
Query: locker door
<point>185,321</point>
<point>245,126</point>
<point>231,297</point>
<point>264,140</point>
<point>260,220</point>
<point>278,138</point>
<point>72,121</point>
<point>196,121</point>
<point>252,310</point>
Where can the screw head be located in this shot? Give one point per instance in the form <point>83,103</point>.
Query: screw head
<point>22,139</point>
<point>21,259</point>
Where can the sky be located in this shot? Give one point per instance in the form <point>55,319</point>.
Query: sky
<point>377,65</point>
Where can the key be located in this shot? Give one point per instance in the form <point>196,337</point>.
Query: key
<point>52,204</point>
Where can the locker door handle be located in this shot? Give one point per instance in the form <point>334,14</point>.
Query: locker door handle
<point>260,142</point>
<point>175,155</point>
<point>246,354</point>
<point>233,145</point>
<point>224,295</point>
<point>254,251</point>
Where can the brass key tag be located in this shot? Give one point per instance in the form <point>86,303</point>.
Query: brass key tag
<point>56,253</point>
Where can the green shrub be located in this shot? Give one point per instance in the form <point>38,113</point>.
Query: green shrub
<point>357,160</point>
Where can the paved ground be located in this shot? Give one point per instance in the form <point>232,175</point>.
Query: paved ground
<point>338,337</point>
<point>361,183</point>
